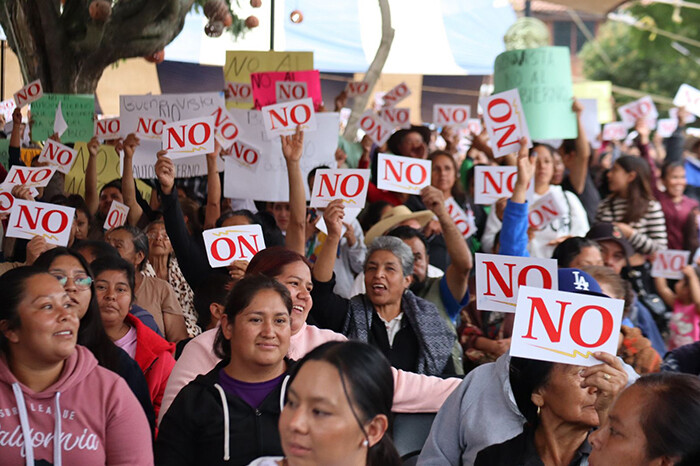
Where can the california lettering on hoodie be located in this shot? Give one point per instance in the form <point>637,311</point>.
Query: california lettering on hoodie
<point>89,408</point>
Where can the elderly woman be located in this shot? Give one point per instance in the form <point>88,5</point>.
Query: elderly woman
<point>562,403</point>
<point>162,264</point>
<point>408,330</point>
<point>653,422</point>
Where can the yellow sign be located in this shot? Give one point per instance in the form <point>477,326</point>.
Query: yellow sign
<point>107,170</point>
<point>602,92</point>
<point>27,155</point>
<point>239,65</point>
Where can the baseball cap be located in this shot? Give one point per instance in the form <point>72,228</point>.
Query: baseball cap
<point>605,231</point>
<point>577,281</point>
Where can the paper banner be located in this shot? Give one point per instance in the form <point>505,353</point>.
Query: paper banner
<point>29,219</point>
<point>228,244</point>
<point>402,174</point>
<point>78,112</point>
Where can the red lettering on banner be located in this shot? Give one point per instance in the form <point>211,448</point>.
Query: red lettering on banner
<point>45,221</point>
<point>248,155</point>
<point>423,173</point>
<point>575,326</point>
<point>187,136</point>
<point>108,126</point>
<point>369,124</point>
<point>292,92</point>
<point>150,126</point>
<point>675,263</point>
<point>239,90</point>
<point>59,154</point>
<point>332,188</point>
<point>31,91</point>
<point>6,201</point>
<point>283,119</point>
<point>505,116</point>
<point>231,245</point>
<point>116,218</point>
<point>553,333</point>
<point>456,115</point>
<point>358,88</point>
<point>35,177</point>
<point>24,212</point>
<point>398,176</point>
<point>507,288</point>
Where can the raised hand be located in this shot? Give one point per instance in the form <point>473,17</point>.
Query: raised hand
<point>165,172</point>
<point>293,146</point>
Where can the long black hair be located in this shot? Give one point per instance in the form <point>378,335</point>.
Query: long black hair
<point>12,289</point>
<point>92,333</point>
<point>639,193</point>
<point>368,386</point>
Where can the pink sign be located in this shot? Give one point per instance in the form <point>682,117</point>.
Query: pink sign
<point>264,87</point>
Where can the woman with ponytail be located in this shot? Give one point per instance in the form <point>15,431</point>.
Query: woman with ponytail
<point>338,409</point>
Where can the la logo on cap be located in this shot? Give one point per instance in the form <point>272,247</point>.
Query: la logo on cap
<point>580,282</point>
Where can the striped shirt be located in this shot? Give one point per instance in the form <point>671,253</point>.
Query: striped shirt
<point>650,230</point>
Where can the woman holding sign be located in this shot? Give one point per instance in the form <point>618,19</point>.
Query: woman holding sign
<point>562,403</point>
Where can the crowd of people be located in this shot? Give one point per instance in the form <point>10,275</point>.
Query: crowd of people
<point>127,347</point>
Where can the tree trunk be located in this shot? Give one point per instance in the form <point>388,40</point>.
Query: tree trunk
<point>68,51</point>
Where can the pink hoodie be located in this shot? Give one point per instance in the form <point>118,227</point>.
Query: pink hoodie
<point>413,393</point>
<point>91,409</point>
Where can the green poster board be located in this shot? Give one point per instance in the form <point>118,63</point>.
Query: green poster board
<point>543,79</point>
<point>5,153</point>
<point>78,111</point>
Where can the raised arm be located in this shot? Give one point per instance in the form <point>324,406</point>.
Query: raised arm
<point>292,149</point>
<point>514,236</point>
<point>91,198</point>
<point>213,209</point>
<point>579,168</point>
<point>128,184</point>
<point>457,273</point>
<point>666,293</point>
<point>333,216</point>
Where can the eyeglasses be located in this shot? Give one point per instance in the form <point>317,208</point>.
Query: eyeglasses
<point>80,281</point>
<point>154,235</point>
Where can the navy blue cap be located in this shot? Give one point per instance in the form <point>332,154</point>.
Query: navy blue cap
<point>578,281</point>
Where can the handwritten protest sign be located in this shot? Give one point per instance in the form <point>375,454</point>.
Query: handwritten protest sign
<point>290,90</point>
<point>350,185</point>
<point>270,181</point>
<point>666,126</point>
<point>498,279</point>
<point>29,219</point>
<point>116,216</point>
<point>108,128</point>
<point>397,117</point>
<point>356,89</point>
<point>56,154</point>
<point>6,108</point>
<point>29,93</point>
<point>602,92</point>
<point>32,177</point>
<point>616,131</point>
<point>505,122</point>
<point>545,211</point>
<point>688,97</point>
<point>465,222</point>
<point>396,95</point>
<point>264,87</point>
<point>227,244</point>
<point>565,327</point>
<point>543,79</point>
<point>285,117</point>
<point>146,115</point>
<point>402,174</point>
<point>187,137</point>
<point>78,112</point>
<point>494,183</point>
<point>669,264</point>
<point>239,93</point>
<point>641,108</point>
<point>376,127</point>
<point>451,115</point>
<point>240,64</point>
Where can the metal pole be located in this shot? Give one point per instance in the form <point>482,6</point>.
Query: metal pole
<point>2,70</point>
<point>528,11</point>
<point>272,25</point>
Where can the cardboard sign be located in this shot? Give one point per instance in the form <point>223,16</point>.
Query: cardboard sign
<point>78,113</point>
<point>641,108</point>
<point>602,92</point>
<point>356,89</point>
<point>239,93</point>
<point>688,97</point>
<point>398,117</point>
<point>284,118</point>
<point>545,211</point>
<point>350,185</point>
<point>265,87</point>
<point>474,126</point>
<point>246,155</point>
<point>565,327</point>
<point>116,216</point>
<point>543,78</point>
<point>188,137</point>
<point>228,244</point>
<point>30,219</point>
<point>60,156</point>
<point>227,130</point>
<point>505,122</point>
<point>270,181</point>
<point>7,107</point>
<point>147,115</point>
<point>29,93</point>
<point>666,126</point>
<point>109,128</point>
<point>290,90</point>
<point>451,115</point>
<point>376,127</point>
<point>402,174</point>
<point>669,264</point>
<point>498,279</point>
<point>615,131</point>
<point>33,177</point>
<point>396,95</point>
<point>465,222</point>
<point>7,200</point>
<point>494,183</point>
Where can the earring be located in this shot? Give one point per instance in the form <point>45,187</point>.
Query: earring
<point>365,443</point>
<point>538,411</point>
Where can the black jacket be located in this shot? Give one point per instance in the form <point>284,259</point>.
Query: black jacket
<point>192,432</point>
